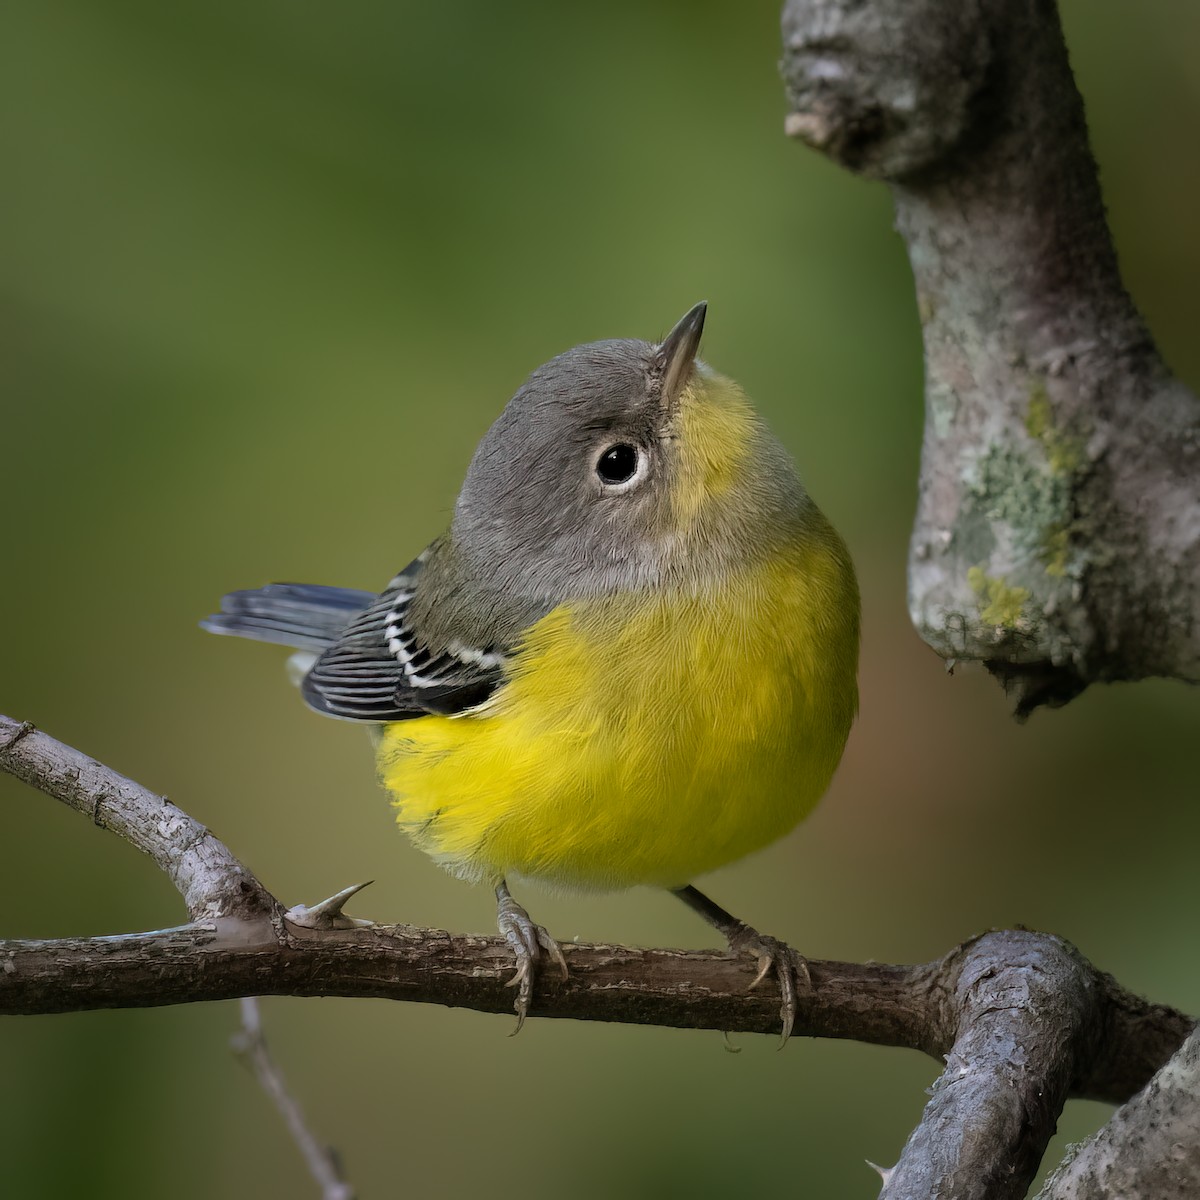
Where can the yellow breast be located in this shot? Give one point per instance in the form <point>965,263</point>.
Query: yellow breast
<point>645,739</point>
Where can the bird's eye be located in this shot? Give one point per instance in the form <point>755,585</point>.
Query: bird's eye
<point>618,464</point>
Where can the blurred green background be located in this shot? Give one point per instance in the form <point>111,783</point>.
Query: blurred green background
<point>268,270</point>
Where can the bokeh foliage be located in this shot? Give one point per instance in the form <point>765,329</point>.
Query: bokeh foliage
<point>267,270</point>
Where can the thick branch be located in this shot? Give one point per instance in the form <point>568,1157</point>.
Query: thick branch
<point>1022,1020</point>
<point>917,1007</point>
<point>1149,1148</point>
<point>1026,1014</point>
<point>1057,537</point>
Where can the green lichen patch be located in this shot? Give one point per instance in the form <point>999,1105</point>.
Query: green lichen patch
<point>1064,453</point>
<point>1055,551</point>
<point>1000,603</point>
<point>1038,417</point>
<point>1011,488</point>
<point>1034,499</point>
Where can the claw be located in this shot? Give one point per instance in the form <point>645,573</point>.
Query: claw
<point>765,963</point>
<point>555,951</point>
<point>527,940</point>
<point>328,913</point>
<point>789,967</point>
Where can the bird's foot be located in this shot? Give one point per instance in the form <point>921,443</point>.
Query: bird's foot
<point>529,943</point>
<point>789,967</point>
<point>328,913</point>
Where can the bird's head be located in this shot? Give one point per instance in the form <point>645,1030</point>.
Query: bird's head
<point>622,464</point>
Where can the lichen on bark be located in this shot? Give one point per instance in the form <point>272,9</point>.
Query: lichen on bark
<point>1057,537</point>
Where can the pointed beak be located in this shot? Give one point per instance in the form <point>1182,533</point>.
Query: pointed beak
<point>677,353</point>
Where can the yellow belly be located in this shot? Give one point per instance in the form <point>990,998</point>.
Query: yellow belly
<point>643,740</point>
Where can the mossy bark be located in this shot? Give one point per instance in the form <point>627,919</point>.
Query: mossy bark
<point>1057,537</point>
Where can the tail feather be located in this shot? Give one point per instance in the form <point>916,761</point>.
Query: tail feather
<point>306,616</point>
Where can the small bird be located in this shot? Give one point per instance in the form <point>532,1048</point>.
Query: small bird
<point>630,660</point>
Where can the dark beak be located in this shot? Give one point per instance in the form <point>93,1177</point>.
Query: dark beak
<point>677,353</point>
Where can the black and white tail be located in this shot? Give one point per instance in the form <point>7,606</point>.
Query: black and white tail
<point>306,616</point>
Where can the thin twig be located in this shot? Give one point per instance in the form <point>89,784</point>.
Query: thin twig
<point>211,880</point>
<point>250,1045</point>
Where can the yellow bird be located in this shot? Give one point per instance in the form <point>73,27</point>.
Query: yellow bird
<point>630,660</point>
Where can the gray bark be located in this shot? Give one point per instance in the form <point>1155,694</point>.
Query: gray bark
<point>1149,1146</point>
<point>1021,1019</point>
<point>213,884</point>
<point>1057,537</point>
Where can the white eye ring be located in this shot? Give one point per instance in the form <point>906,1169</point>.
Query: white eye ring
<point>621,466</point>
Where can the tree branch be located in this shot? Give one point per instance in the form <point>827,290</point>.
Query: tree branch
<point>1021,1018</point>
<point>1149,1146</point>
<point>211,881</point>
<point>251,1045</point>
<point>1057,538</point>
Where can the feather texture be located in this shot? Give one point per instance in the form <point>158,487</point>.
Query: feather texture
<point>594,687</point>
<point>655,733</point>
<point>644,739</point>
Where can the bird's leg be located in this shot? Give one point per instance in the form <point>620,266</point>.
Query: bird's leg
<point>790,968</point>
<point>527,941</point>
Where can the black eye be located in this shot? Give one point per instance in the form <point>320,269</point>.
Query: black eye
<point>618,463</point>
